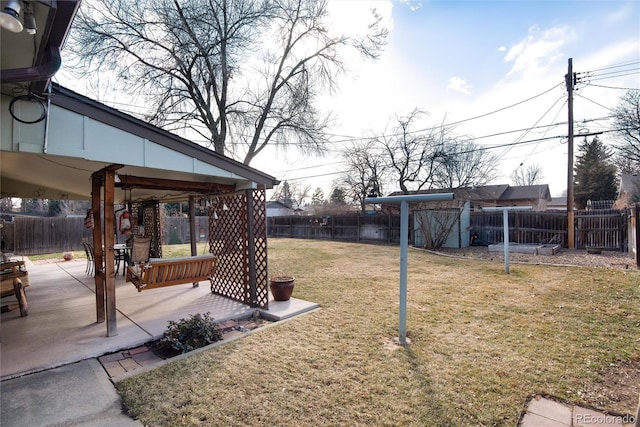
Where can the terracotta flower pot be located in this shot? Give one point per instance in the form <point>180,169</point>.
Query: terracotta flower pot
<point>281,287</point>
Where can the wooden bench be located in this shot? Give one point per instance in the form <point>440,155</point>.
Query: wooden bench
<point>161,272</point>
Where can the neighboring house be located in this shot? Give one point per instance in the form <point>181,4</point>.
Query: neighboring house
<point>629,185</point>
<point>276,208</point>
<point>536,196</point>
<point>557,204</point>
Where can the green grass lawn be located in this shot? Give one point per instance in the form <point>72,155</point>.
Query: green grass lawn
<point>482,342</point>
<point>168,251</point>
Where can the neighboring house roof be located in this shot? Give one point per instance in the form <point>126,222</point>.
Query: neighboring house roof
<point>628,186</point>
<point>524,192</point>
<point>629,183</point>
<point>557,203</point>
<point>274,204</point>
<point>502,194</point>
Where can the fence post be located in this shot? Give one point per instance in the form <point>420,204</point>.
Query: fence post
<point>636,217</point>
<point>333,224</point>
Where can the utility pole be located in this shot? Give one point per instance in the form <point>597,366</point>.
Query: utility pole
<point>570,80</point>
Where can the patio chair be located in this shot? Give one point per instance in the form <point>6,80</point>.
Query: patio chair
<point>140,249</point>
<point>88,250</point>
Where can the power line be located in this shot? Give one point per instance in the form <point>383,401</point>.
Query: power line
<point>589,74</point>
<point>596,103</point>
<point>597,78</point>
<point>545,132</point>
<point>612,87</point>
<point>618,65</point>
<point>483,148</point>
<point>530,128</point>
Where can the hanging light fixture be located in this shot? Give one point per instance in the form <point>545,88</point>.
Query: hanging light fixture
<point>29,20</point>
<point>10,17</point>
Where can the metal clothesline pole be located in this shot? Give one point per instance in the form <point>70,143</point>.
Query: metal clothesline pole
<point>505,227</point>
<point>404,201</point>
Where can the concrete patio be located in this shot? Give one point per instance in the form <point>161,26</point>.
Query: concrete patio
<point>61,325</point>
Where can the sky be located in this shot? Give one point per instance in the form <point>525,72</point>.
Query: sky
<point>461,59</point>
<point>500,62</point>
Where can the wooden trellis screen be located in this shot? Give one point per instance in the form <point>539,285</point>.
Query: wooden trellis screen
<point>150,226</point>
<point>238,237</point>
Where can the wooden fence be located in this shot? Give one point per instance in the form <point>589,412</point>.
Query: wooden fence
<point>602,228</point>
<point>352,228</point>
<point>37,235</point>
<point>32,235</point>
<point>607,229</point>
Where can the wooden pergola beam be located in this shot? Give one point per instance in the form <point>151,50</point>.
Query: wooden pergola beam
<point>129,181</point>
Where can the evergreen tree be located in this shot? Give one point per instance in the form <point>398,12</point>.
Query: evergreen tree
<point>595,174</point>
<point>318,197</point>
<point>338,196</point>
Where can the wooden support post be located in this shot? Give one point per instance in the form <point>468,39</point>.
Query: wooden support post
<point>192,225</point>
<point>192,230</point>
<point>98,266</point>
<point>109,259</point>
<point>251,249</point>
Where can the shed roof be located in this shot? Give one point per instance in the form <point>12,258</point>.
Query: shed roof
<point>489,193</point>
<point>527,192</point>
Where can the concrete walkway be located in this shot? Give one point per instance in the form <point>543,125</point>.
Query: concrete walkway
<point>544,412</point>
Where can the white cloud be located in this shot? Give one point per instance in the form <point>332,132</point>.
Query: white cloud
<point>502,49</point>
<point>413,5</point>
<point>459,85</point>
<point>620,14</point>
<point>539,50</point>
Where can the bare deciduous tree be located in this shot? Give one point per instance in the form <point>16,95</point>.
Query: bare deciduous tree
<point>435,226</point>
<point>366,171</point>
<point>627,119</point>
<point>243,74</point>
<point>462,163</point>
<point>291,195</point>
<point>530,175</point>
<point>412,156</point>
<point>433,158</point>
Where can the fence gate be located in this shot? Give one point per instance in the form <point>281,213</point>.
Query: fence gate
<point>605,229</point>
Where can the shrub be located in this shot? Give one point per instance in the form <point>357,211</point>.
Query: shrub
<point>189,334</point>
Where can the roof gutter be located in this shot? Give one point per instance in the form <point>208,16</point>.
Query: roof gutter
<point>45,71</point>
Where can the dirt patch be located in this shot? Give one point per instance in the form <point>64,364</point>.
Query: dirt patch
<point>575,257</point>
<point>619,387</point>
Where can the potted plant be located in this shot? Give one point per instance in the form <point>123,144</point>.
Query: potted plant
<point>281,287</point>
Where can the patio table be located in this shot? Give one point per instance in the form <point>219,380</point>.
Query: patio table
<point>123,253</point>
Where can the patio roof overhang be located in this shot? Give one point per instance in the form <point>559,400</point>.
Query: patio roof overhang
<point>54,158</point>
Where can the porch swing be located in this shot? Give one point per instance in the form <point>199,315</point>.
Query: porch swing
<point>150,273</point>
